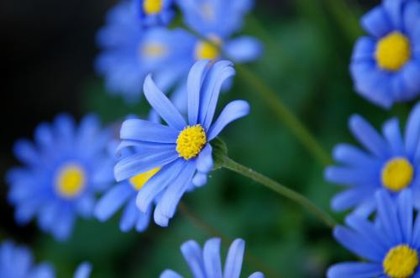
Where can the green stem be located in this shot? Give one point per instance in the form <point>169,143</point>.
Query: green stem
<point>283,113</point>
<point>280,189</point>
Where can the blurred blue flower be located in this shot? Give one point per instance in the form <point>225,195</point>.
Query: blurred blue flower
<point>130,52</point>
<point>61,174</point>
<point>391,163</point>
<point>155,12</point>
<point>180,150</point>
<point>83,270</point>
<point>389,246</point>
<point>386,65</point>
<point>17,262</point>
<point>207,262</point>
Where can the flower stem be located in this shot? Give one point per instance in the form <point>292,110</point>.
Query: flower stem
<point>234,166</point>
<point>272,100</point>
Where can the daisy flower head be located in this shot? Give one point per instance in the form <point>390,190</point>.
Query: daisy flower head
<point>207,262</point>
<point>62,172</point>
<point>390,245</point>
<point>155,12</point>
<point>388,163</point>
<point>17,262</point>
<point>386,64</point>
<point>180,150</point>
<point>130,52</point>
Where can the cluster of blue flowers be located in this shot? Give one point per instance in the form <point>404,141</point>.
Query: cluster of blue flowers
<point>382,180</point>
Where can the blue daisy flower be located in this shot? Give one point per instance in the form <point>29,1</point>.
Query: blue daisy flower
<point>385,65</point>
<point>130,52</point>
<point>180,150</point>
<point>155,12</point>
<point>390,163</point>
<point>62,172</point>
<point>390,246</point>
<point>207,262</point>
<point>17,262</point>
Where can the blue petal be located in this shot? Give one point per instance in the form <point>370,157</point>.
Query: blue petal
<point>243,49</point>
<point>163,105</point>
<point>388,217</point>
<point>368,136</point>
<point>193,256</point>
<point>170,274</point>
<point>392,133</point>
<point>256,275</point>
<point>199,179</point>
<point>112,201</point>
<point>143,220</point>
<point>136,129</point>
<point>352,176</point>
<point>412,130</point>
<point>211,255</point>
<point>63,226</point>
<point>359,245</point>
<point>394,11</point>
<point>204,162</point>
<point>143,162</point>
<point>354,156</point>
<point>405,214</point>
<point>158,183</point>
<point>43,271</point>
<point>129,217</point>
<point>194,83</point>
<point>355,270</point>
<point>415,241</point>
<point>233,111</point>
<point>83,270</point>
<point>221,71</point>
<point>65,128</point>
<point>364,49</point>
<point>409,76</point>
<point>25,151</point>
<point>377,22</point>
<point>411,15</point>
<point>43,136</point>
<point>350,198</point>
<point>234,259</point>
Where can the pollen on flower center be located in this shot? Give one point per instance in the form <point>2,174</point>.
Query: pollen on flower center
<point>393,51</point>
<point>397,174</point>
<point>70,181</point>
<point>400,261</point>
<point>138,181</point>
<point>153,50</point>
<point>191,141</point>
<point>206,50</point>
<point>152,7</point>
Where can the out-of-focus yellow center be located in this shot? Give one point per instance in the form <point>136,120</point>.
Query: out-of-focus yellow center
<point>152,7</point>
<point>393,51</point>
<point>191,141</point>
<point>207,50</point>
<point>140,180</point>
<point>153,50</point>
<point>70,181</point>
<point>400,262</point>
<point>397,174</point>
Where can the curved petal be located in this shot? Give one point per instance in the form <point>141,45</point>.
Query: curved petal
<point>256,275</point>
<point>388,217</point>
<point>364,49</point>
<point>194,258</point>
<point>377,22</point>
<point>162,104</point>
<point>112,201</point>
<point>199,179</point>
<point>234,259</point>
<point>243,49</point>
<point>221,71</point>
<point>170,274</point>
<point>392,133</point>
<point>233,111</point>
<point>204,162</point>
<point>405,214</point>
<point>355,270</point>
<point>353,156</point>
<point>411,14</point>
<point>83,270</point>
<point>194,83</point>
<point>211,256</point>
<point>412,130</point>
<point>350,198</point>
<point>136,129</point>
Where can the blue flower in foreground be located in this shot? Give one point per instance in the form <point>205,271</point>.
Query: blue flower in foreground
<point>130,52</point>
<point>386,65</point>
<point>180,151</point>
<point>207,262</point>
<point>155,12</point>
<point>390,246</point>
<point>391,163</point>
<point>17,262</point>
<point>61,174</point>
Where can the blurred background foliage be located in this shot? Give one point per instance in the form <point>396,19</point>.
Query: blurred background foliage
<point>48,48</point>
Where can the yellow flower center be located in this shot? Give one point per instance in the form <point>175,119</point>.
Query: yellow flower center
<point>400,262</point>
<point>393,51</point>
<point>153,50</point>
<point>70,181</point>
<point>139,180</point>
<point>191,141</point>
<point>152,7</point>
<point>208,50</point>
<point>397,174</point>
